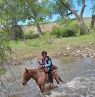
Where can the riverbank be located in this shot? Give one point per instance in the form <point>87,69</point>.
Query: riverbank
<point>82,46</point>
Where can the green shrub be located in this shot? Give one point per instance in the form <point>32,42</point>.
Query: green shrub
<point>5,49</point>
<point>67,32</point>
<point>57,31</point>
<point>16,32</point>
<point>69,29</point>
<point>30,35</point>
<point>2,70</point>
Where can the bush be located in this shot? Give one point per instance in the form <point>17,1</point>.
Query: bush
<point>16,32</point>
<point>30,35</point>
<point>57,31</point>
<point>5,50</point>
<point>72,28</point>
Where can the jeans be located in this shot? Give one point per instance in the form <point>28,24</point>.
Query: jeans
<point>50,78</point>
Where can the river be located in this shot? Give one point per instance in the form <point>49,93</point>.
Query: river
<point>77,73</point>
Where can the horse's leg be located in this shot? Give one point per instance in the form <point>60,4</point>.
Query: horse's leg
<point>42,88</point>
<point>60,79</point>
<point>57,80</point>
<point>55,76</point>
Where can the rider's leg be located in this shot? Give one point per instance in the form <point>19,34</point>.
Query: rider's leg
<point>50,76</point>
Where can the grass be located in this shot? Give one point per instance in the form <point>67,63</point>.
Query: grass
<point>2,70</point>
<point>81,39</point>
<point>33,47</point>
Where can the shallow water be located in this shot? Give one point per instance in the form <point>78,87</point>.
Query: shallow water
<point>77,73</point>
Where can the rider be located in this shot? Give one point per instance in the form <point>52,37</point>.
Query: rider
<point>46,62</point>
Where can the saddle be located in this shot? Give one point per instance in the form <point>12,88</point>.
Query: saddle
<point>50,74</point>
<point>47,74</point>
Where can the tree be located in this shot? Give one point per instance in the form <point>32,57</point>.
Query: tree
<point>92,21</point>
<point>69,6</point>
<point>35,11</point>
<point>66,4</point>
<point>11,12</point>
<point>4,47</point>
<point>93,14</point>
<point>59,9</point>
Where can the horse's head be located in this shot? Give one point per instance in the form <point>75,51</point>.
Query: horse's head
<point>26,76</point>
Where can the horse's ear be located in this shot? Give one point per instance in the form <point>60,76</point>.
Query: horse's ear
<point>26,69</point>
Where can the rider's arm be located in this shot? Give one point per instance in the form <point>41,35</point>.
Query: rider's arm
<point>49,64</point>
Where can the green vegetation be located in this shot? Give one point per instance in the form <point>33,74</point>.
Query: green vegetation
<point>4,49</point>
<point>71,28</point>
<point>4,46</point>
<point>32,47</point>
<point>2,70</point>
<point>37,12</point>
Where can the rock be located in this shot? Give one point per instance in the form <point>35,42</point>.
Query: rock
<point>91,43</point>
<point>68,48</point>
<point>65,54</point>
<point>78,51</point>
<point>94,54</point>
<point>85,55</point>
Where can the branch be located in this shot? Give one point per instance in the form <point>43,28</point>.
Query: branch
<point>71,10</point>
<point>82,9</point>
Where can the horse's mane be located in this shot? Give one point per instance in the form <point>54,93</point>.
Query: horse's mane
<point>35,72</point>
<point>32,71</point>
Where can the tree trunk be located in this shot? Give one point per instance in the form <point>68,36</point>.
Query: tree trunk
<point>78,17</point>
<point>71,10</point>
<point>83,8</point>
<point>92,22</point>
<point>16,32</point>
<point>36,20</point>
<point>38,28</point>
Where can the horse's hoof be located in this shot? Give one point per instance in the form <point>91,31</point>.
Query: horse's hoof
<point>51,85</point>
<point>42,94</point>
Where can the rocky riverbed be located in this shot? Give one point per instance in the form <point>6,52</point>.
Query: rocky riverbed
<point>80,50</point>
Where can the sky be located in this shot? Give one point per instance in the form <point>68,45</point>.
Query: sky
<point>87,12</point>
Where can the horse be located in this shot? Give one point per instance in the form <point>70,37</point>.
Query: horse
<point>40,76</point>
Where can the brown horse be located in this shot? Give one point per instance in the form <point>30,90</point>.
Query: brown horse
<point>40,77</point>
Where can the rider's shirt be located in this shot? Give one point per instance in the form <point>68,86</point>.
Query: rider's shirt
<point>47,63</point>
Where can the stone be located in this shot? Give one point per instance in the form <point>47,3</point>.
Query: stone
<point>68,48</point>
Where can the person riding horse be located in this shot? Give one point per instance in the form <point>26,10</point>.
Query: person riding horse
<point>40,74</point>
<point>46,63</point>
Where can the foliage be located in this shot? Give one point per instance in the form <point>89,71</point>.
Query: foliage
<point>2,70</point>
<point>61,10</point>
<point>71,28</point>
<point>31,35</point>
<point>16,32</point>
<point>4,47</point>
<point>21,10</point>
<point>10,15</point>
<point>31,48</point>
